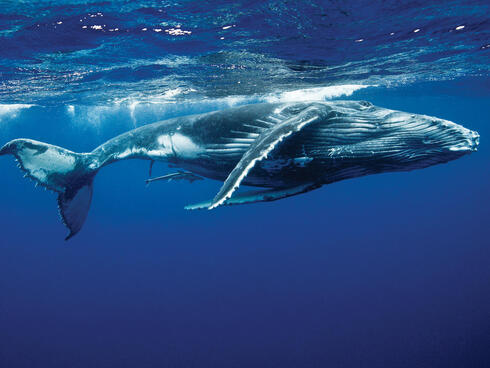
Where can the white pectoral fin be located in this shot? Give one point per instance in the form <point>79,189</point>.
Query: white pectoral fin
<point>263,145</point>
<point>259,196</point>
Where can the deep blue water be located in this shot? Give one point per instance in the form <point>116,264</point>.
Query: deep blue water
<point>388,270</point>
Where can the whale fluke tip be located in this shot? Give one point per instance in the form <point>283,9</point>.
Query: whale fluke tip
<point>6,149</point>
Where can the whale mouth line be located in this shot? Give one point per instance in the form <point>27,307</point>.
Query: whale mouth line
<point>462,147</point>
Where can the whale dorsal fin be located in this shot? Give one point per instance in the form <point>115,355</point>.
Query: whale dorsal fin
<point>261,147</point>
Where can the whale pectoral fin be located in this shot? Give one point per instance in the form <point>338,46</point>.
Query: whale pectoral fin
<point>259,196</point>
<point>262,146</point>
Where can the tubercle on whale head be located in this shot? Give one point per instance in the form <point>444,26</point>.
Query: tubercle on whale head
<point>453,137</point>
<point>469,144</point>
<point>476,140</point>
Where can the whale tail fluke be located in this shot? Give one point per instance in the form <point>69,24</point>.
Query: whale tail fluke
<point>68,173</point>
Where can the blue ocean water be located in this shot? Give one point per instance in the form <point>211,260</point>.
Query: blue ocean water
<point>387,270</point>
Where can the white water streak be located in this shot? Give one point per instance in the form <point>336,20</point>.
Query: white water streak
<point>10,111</point>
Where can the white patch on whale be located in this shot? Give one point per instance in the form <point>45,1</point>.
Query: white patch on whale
<point>165,144</point>
<point>49,161</point>
<point>40,165</point>
<point>131,152</point>
<point>175,144</point>
<point>184,146</point>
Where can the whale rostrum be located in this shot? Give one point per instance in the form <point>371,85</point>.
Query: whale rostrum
<point>284,148</point>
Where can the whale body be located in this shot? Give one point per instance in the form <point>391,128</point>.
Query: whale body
<point>283,148</point>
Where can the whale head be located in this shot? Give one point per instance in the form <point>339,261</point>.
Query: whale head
<point>361,139</point>
<point>425,140</point>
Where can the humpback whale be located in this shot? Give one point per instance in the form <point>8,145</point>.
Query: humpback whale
<point>283,148</point>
